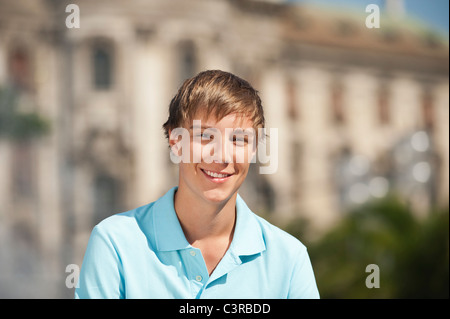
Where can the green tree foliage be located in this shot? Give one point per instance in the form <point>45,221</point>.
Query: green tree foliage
<point>412,253</point>
<point>16,125</point>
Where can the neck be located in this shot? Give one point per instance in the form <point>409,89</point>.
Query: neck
<point>202,220</point>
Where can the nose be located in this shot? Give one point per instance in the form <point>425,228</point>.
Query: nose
<point>227,152</point>
<point>217,151</point>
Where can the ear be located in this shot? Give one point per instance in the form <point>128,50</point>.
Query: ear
<point>174,146</point>
<point>171,140</point>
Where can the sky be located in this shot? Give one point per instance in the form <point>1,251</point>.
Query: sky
<point>434,13</point>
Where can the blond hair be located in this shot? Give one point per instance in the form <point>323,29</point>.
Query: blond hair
<point>216,93</point>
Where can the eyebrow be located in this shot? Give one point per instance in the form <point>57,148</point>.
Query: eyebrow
<point>236,130</point>
<point>202,127</point>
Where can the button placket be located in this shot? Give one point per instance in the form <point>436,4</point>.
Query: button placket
<point>196,267</point>
<point>199,262</point>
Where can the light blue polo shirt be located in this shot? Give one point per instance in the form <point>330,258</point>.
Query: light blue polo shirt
<point>143,253</point>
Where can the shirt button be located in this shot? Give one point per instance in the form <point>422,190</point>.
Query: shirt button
<point>193,253</point>
<point>198,278</point>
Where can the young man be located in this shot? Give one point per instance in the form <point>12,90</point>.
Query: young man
<point>200,240</point>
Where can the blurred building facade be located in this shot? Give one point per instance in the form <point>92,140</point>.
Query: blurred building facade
<point>360,112</point>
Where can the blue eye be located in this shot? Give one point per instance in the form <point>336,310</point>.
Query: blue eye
<point>206,136</point>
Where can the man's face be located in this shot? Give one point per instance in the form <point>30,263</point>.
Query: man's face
<point>220,155</point>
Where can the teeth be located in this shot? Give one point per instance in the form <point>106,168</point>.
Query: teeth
<point>215,175</point>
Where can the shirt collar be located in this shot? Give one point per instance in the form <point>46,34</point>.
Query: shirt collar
<point>247,239</point>
<point>168,232</point>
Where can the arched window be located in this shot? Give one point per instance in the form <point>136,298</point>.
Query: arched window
<point>23,164</point>
<point>337,103</point>
<point>187,60</point>
<point>102,56</point>
<point>427,105</point>
<point>383,105</point>
<point>19,69</point>
<point>107,197</point>
<point>292,102</point>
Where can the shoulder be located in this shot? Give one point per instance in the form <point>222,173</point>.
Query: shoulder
<point>280,240</point>
<point>123,225</point>
<point>277,242</point>
<point>289,255</point>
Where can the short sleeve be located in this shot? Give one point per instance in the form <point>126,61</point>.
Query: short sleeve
<point>303,283</point>
<point>100,275</point>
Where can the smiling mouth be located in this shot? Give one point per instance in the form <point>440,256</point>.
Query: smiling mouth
<point>215,175</point>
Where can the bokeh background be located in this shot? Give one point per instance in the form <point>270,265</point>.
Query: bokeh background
<point>362,117</point>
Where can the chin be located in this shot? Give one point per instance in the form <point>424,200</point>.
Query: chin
<point>217,195</point>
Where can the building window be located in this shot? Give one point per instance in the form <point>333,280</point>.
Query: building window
<point>292,106</point>
<point>383,105</point>
<point>23,162</point>
<point>337,103</point>
<point>19,69</point>
<point>428,110</point>
<point>103,66</point>
<point>106,197</point>
<point>187,60</point>
<point>23,171</point>
<point>296,161</point>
